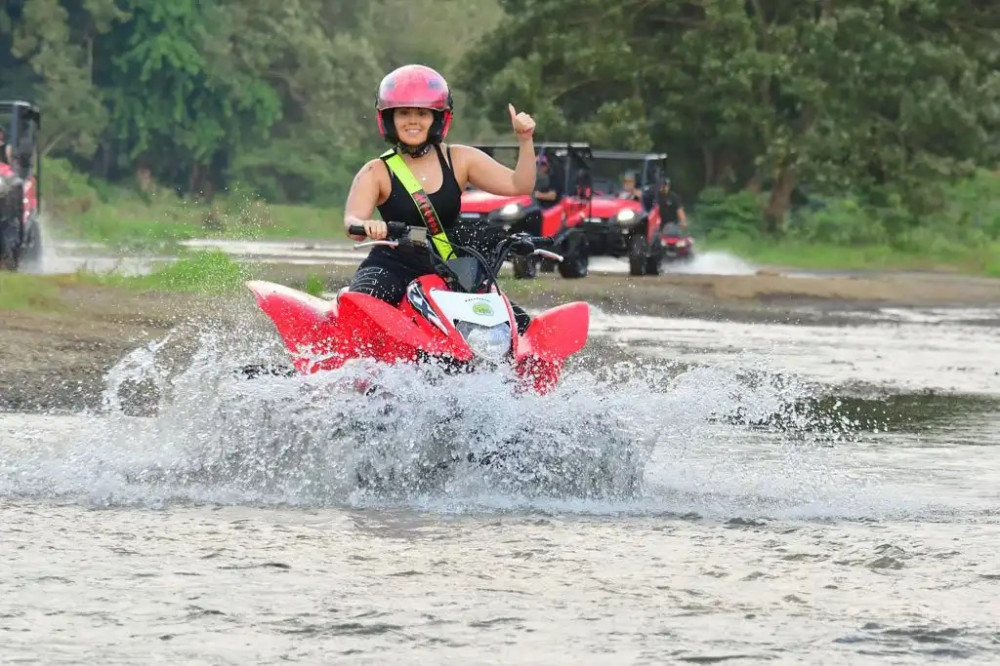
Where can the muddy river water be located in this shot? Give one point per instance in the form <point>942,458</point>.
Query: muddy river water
<point>694,492</point>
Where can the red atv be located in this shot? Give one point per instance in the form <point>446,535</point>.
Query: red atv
<point>523,214</point>
<point>20,233</point>
<point>457,316</point>
<point>674,243</point>
<point>624,224</point>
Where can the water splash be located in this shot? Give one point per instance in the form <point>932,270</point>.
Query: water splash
<point>729,439</point>
<point>712,263</point>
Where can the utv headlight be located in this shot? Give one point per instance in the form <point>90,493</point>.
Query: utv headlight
<point>490,342</point>
<point>511,209</point>
<point>626,217</point>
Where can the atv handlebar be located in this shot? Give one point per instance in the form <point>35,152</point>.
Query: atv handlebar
<point>542,241</point>
<point>400,230</point>
<point>396,230</point>
<point>523,244</point>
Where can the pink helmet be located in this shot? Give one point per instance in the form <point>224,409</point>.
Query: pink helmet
<point>414,86</point>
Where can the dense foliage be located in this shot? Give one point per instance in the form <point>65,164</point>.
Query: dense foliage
<point>199,94</point>
<point>877,104</point>
<point>883,99</point>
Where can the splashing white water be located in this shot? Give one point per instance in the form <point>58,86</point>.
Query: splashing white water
<point>723,440</point>
<point>712,263</point>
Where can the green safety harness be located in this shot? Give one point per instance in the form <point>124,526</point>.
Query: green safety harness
<point>398,167</point>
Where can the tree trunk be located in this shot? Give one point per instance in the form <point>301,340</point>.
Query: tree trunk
<point>724,175</point>
<point>781,197</point>
<point>708,158</point>
<point>143,174</point>
<point>102,165</point>
<point>194,182</point>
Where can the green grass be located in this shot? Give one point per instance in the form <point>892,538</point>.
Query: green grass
<point>841,234</point>
<point>845,232</point>
<point>129,222</point>
<point>289,221</point>
<point>210,272</point>
<point>983,260</point>
<point>28,292</point>
<point>314,285</point>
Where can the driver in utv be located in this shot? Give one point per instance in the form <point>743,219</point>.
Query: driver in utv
<point>414,110</point>
<point>546,191</point>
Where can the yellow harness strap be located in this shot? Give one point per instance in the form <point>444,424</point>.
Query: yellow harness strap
<point>398,167</point>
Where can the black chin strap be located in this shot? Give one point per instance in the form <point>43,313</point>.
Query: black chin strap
<point>418,151</point>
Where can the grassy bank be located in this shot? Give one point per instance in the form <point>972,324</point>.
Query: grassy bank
<point>19,291</point>
<point>825,234</point>
<point>130,222</point>
<point>78,208</point>
<point>200,273</point>
<point>846,233</point>
<point>210,272</point>
<point>983,260</point>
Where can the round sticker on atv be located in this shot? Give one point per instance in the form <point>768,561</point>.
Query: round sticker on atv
<point>482,308</point>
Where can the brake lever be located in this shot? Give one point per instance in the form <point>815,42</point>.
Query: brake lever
<point>545,254</point>
<point>370,243</point>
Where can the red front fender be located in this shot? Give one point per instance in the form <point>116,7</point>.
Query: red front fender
<point>552,336</point>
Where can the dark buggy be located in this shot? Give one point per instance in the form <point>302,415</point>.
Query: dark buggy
<point>20,174</point>
<point>623,226</point>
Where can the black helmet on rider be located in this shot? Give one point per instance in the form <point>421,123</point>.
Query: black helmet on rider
<point>414,86</point>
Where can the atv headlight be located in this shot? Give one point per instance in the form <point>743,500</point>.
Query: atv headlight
<point>511,209</point>
<point>490,342</point>
<point>626,217</point>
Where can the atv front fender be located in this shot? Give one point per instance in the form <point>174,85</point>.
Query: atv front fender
<point>551,337</point>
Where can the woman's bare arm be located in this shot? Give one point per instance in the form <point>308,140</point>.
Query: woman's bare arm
<point>487,174</point>
<point>365,192</point>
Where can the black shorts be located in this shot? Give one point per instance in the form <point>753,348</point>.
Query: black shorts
<point>385,273</point>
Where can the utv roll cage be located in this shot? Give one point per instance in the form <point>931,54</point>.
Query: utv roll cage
<point>22,122</point>
<point>566,159</point>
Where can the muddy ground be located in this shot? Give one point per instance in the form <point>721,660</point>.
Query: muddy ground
<point>56,360</point>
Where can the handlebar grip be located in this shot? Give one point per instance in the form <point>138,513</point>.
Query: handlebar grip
<point>542,241</point>
<point>395,230</point>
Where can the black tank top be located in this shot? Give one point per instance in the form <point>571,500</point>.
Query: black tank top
<point>399,207</point>
<point>447,201</point>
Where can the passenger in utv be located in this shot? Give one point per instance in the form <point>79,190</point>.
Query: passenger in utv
<point>414,111</point>
<point>629,188</point>
<point>546,191</point>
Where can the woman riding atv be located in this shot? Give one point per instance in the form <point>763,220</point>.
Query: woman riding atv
<point>420,182</point>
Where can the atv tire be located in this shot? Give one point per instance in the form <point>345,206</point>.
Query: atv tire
<point>654,264</point>
<point>8,246</point>
<point>31,251</point>
<point>10,229</point>
<point>638,255</point>
<point>525,268</point>
<point>576,262</point>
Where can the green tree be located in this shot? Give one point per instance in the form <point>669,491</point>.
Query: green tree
<point>171,101</point>
<point>887,97</point>
<point>62,67</point>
